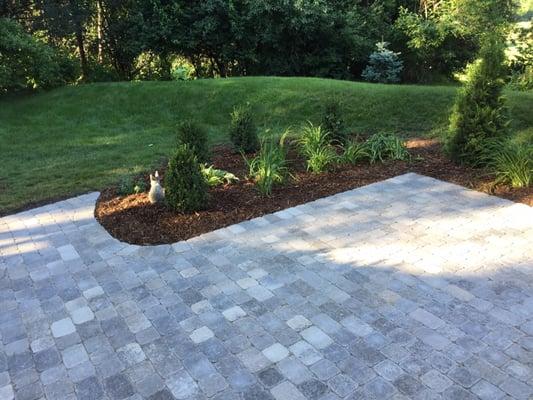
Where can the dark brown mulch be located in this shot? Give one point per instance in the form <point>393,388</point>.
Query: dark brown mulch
<point>134,220</point>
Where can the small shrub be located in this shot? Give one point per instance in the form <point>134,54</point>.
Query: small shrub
<point>129,185</point>
<point>381,147</point>
<point>333,123</point>
<point>216,177</point>
<point>243,132</point>
<point>194,136</point>
<point>384,65</point>
<point>354,152</point>
<point>314,144</point>
<point>269,167</point>
<point>510,162</point>
<point>185,186</point>
<point>479,114</point>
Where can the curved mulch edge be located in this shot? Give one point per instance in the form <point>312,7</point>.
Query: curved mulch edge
<point>134,220</point>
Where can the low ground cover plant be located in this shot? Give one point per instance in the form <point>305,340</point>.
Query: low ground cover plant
<point>243,131</point>
<point>269,166</point>
<point>185,186</point>
<point>195,136</point>
<point>215,177</point>
<point>314,144</point>
<point>129,184</point>
<point>385,146</point>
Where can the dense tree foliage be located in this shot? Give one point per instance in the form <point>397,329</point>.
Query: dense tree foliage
<point>149,39</point>
<point>479,113</point>
<point>27,63</point>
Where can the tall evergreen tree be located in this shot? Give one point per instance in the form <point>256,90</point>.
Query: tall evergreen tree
<point>479,113</point>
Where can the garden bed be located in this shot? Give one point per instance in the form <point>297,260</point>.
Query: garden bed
<point>133,219</point>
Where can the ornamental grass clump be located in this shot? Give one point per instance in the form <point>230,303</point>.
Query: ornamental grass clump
<point>511,163</point>
<point>385,146</point>
<point>269,166</point>
<point>354,152</point>
<point>185,186</point>
<point>314,145</point>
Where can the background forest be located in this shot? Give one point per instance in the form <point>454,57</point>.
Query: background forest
<point>45,43</point>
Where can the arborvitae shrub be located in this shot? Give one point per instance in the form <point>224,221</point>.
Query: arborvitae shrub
<point>195,136</point>
<point>185,186</point>
<point>243,132</point>
<point>333,123</point>
<point>479,113</point>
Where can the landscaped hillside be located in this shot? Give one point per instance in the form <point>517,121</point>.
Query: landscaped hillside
<point>75,139</point>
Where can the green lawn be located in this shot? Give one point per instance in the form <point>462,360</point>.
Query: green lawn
<point>76,139</point>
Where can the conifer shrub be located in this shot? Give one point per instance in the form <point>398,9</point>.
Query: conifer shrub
<point>479,114</point>
<point>384,65</point>
<point>243,131</point>
<point>195,136</point>
<point>333,123</point>
<point>185,186</point>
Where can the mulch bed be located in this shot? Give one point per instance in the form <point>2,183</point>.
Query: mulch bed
<point>134,220</point>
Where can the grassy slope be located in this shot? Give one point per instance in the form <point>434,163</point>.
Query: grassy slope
<point>75,139</point>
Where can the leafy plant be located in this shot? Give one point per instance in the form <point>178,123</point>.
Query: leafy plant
<point>333,123</point>
<point>129,185</point>
<point>193,135</point>
<point>354,152</point>
<point>510,162</point>
<point>381,147</point>
<point>314,144</point>
<point>185,186</point>
<point>243,132</point>
<point>269,167</point>
<point>384,65</point>
<point>479,112</point>
<point>216,177</point>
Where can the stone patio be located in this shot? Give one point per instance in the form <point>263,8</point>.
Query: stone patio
<point>410,288</point>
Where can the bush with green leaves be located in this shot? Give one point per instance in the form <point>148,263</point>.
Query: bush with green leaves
<point>243,131</point>
<point>216,177</point>
<point>185,186</point>
<point>269,166</point>
<point>333,123</point>
<point>511,163</point>
<point>314,145</point>
<point>26,62</point>
<point>479,113</point>
<point>385,146</point>
<point>354,152</point>
<point>384,65</point>
<point>129,185</point>
<point>195,136</point>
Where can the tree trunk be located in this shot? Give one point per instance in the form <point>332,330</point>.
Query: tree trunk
<point>81,50</point>
<point>99,31</point>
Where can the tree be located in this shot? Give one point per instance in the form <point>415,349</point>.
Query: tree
<point>383,66</point>
<point>25,62</point>
<point>479,112</point>
<point>64,19</point>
